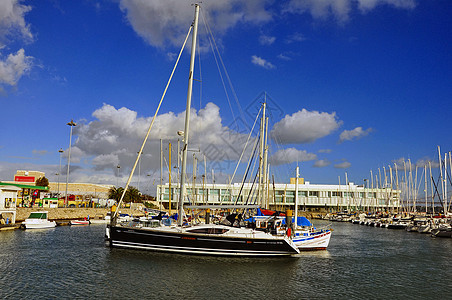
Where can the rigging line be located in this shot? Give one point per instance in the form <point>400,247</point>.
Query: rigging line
<point>229,80</point>
<point>251,157</point>
<point>243,151</point>
<point>278,143</point>
<point>246,145</point>
<point>246,173</point>
<point>210,38</point>
<point>150,126</point>
<point>167,166</point>
<point>436,191</point>
<point>200,77</point>
<point>249,195</point>
<point>197,124</point>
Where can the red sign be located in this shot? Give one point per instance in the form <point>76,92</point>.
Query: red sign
<point>24,178</point>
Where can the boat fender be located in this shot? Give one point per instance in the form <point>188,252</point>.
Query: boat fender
<point>289,231</point>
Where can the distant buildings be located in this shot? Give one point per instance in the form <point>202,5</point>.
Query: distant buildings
<point>280,196</point>
<point>25,180</point>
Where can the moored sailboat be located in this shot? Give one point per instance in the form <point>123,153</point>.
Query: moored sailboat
<point>210,239</point>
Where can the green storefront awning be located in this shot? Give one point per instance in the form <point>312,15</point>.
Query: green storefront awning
<point>26,186</point>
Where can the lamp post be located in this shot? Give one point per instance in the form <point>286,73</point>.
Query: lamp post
<point>117,176</point>
<point>365,194</point>
<point>71,124</point>
<point>59,172</point>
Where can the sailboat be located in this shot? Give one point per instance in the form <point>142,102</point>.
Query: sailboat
<point>201,239</point>
<point>304,235</point>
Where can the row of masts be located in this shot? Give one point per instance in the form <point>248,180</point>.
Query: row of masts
<point>421,187</point>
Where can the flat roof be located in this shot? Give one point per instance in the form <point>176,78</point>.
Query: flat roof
<point>26,186</point>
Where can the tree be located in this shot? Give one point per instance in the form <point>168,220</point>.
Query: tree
<point>115,193</point>
<point>42,181</point>
<point>132,194</point>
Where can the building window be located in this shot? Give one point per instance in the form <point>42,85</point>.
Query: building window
<point>337,194</point>
<point>313,193</point>
<point>302,193</point>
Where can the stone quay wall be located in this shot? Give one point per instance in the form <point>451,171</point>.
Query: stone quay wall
<point>72,213</point>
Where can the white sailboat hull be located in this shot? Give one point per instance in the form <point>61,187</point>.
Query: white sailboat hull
<point>315,241</point>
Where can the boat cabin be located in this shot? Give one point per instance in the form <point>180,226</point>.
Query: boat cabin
<point>8,200</point>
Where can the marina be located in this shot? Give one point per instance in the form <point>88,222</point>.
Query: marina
<point>181,183</point>
<point>435,226</point>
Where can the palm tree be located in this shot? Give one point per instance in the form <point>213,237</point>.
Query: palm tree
<point>115,193</point>
<point>133,195</point>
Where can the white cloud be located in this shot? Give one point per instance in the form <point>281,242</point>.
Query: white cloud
<point>12,22</point>
<point>357,133</point>
<point>40,152</point>
<point>13,26</point>
<point>366,5</point>
<point>283,56</point>
<point>322,163</point>
<point>341,9</point>
<point>304,127</point>
<point>266,40</point>
<point>420,163</point>
<point>160,22</point>
<point>258,61</point>
<point>296,37</point>
<point>290,155</point>
<point>325,151</point>
<point>343,165</point>
<point>14,67</point>
<point>403,163</point>
<point>115,136</point>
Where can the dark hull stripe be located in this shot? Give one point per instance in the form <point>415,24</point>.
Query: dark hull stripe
<point>221,252</point>
<point>197,244</point>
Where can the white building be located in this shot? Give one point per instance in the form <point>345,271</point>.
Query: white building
<point>280,196</point>
<point>8,200</point>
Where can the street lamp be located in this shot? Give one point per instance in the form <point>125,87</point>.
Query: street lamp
<point>117,176</point>
<point>71,124</point>
<point>59,172</point>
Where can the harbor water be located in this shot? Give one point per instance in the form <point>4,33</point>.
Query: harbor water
<point>361,263</point>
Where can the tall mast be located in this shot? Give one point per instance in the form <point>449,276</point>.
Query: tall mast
<point>169,178</point>
<point>187,116</point>
<point>431,187</point>
<point>446,208</point>
<point>450,166</point>
<point>264,175</point>
<point>261,152</point>
<point>441,173</point>
<point>390,196</point>
<point>397,187</point>
<point>296,198</point>
<point>425,188</point>
<point>162,189</point>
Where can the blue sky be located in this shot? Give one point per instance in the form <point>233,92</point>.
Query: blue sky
<point>354,85</point>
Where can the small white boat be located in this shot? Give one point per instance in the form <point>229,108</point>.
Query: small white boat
<point>38,220</point>
<point>311,238</point>
<point>306,237</point>
<point>80,222</point>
